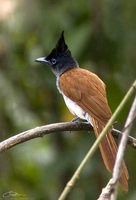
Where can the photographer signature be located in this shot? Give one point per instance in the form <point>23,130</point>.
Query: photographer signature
<point>12,194</point>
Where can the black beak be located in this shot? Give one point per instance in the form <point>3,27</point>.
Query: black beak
<point>42,60</point>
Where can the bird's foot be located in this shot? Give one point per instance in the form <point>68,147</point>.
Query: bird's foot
<point>75,120</point>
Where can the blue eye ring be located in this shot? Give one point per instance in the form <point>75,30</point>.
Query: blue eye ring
<point>53,61</point>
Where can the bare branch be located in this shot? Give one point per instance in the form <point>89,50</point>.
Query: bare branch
<point>118,134</point>
<point>41,131</point>
<point>52,128</point>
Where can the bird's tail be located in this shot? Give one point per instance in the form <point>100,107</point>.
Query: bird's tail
<point>109,150</point>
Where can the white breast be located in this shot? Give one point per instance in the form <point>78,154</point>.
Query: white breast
<point>73,107</point>
<point>77,110</point>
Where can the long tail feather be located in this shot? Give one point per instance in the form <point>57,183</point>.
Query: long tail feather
<point>109,150</point>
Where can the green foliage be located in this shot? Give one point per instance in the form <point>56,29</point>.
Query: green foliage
<point>101,36</point>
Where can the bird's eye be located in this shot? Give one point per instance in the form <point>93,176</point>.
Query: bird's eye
<point>53,61</point>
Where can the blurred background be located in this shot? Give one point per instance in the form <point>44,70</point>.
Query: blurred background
<point>102,37</point>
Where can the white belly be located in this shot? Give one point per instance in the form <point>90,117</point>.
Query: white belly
<point>77,110</point>
<point>73,107</point>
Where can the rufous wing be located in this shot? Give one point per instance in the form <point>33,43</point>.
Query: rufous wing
<point>88,91</point>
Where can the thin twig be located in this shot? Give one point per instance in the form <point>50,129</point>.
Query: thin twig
<point>122,146</point>
<point>110,191</point>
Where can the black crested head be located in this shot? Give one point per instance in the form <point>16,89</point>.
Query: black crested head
<point>60,59</point>
<point>61,48</point>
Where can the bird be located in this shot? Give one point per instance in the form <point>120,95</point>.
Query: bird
<point>85,96</point>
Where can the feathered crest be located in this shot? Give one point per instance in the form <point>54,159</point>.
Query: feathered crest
<point>60,48</point>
